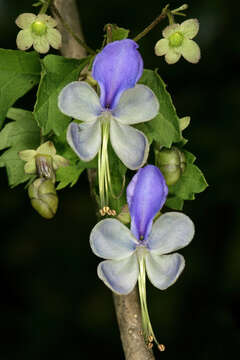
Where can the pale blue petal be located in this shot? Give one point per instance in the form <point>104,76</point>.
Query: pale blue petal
<point>170,232</point>
<point>85,139</point>
<point>79,100</point>
<point>130,145</point>
<point>117,68</point>
<point>163,270</point>
<point>146,194</point>
<point>110,239</point>
<point>136,105</point>
<point>119,275</point>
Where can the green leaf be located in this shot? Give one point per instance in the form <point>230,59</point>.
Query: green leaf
<point>192,181</point>
<point>174,202</point>
<point>57,72</point>
<point>68,175</point>
<point>164,128</point>
<point>118,33</point>
<point>19,72</point>
<point>20,134</point>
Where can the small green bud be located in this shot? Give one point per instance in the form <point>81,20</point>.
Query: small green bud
<point>39,28</point>
<point>172,164</point>
<point>43,197</point>
<point>176,39</point>
<point>124,215</point>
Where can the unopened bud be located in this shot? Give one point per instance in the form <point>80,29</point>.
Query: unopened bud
<point>172,164</point>
<point>44,197</point>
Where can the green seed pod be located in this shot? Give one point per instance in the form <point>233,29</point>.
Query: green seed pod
<point>172,164</point>
<point>43,197</point>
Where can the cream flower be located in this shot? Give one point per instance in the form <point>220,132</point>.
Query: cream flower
<point>37,31</point>
<point>177,41</point>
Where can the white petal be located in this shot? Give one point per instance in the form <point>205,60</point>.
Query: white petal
<point>191,51</point>
<point>48,20</point>
<point>130,145</point>
<point>172,56</point>
<point>54,38</point>
<point>163,270</point>
<point>170,29</point>
<point>24,39</point>
<point>25,20</point>
<point>119,275</point>
<point>190,28</point>
<point>80,101</point>
<point>136,105</point>
<point>161,47</point>
<point>110,239</point>
<point>170,232</point>
<point>85,139</point>
<point>41,44</point>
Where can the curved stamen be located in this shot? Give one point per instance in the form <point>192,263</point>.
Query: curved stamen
<point>148,333</point>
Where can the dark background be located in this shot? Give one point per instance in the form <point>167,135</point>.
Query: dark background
<point>51,302</point>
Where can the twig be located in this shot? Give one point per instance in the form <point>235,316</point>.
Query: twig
<point>153,24</point>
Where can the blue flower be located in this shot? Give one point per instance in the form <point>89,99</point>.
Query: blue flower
<point>117,68</point>
<point>147,246</point>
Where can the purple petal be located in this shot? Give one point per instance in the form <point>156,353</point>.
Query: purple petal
<point>117,68</point>
<point>146,194</point>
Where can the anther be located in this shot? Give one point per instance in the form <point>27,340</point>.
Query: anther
<point>161,347</point>
<point>106,209</point>
<point>150,345</point>
<point>102,212</point>
<point>150,338</point>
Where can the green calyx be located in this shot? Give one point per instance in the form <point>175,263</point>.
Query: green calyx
<point>39,28</point>
<point>172,164</point>
<point>43,197</point>
<point>176,39</point>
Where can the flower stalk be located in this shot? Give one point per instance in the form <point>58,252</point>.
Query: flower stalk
<point>45,6</point>
<point>164,13</point>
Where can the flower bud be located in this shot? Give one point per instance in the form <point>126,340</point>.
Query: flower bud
<point>43,197</point>
<point>172,163</point>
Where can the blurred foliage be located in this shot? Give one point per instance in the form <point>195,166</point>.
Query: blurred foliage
<point>52,303</point>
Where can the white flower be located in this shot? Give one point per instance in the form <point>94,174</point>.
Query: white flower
<point>177,41</point>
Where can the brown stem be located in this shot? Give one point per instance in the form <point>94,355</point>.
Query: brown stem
<point>130,324</point>
<point>127,307</point>
<point>71,48</point>
<point>153,24</point>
